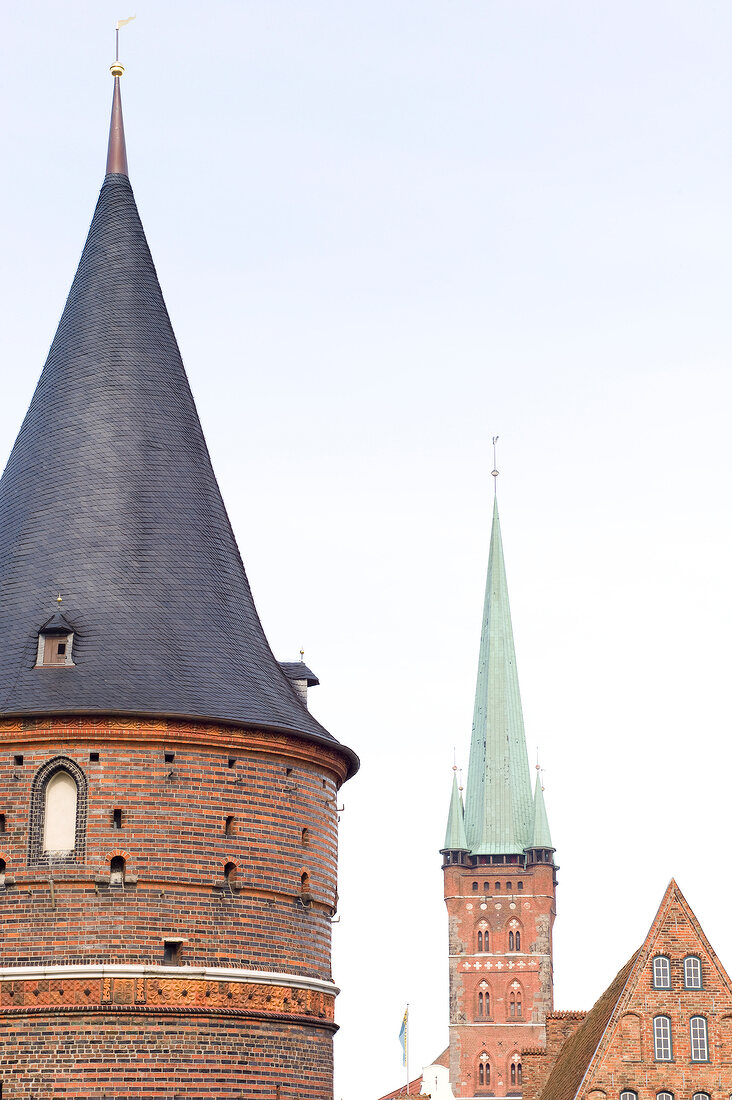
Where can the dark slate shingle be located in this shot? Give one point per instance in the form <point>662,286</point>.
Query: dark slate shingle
<point>109,498</point>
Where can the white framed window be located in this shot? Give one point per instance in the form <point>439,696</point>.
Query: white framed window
<point>628,1094</point>
<point>662,972</point>
<point>664,1096</point>
<point>662,1038</point>
<point>692,972</point>
<point>699,1043</point>
<point>701,1096</point>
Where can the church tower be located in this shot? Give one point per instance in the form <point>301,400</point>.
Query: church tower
<point>168,822</point>
<point>500,880</point>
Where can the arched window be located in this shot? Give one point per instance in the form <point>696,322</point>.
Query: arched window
<point>664,1096</point>
<point>117,871</point>
<point>484,1070</point>
<point>519,1074</point>
<point>515,1004</point>
<point>520,885</point>
<point>518,941</point>
<point>509,886</point>
<point>628,1094</point>
<point>692,972</point>
<point>701,1096</point>
<point>59,813</point>
<point>498,887</point>
<point>230,872</point>
<point>480,941</point>
<point>480,1004</point>
<point>513,1073</point>
<point>475,887</point>
<point>662,1048</point>
<point>510,941</point>
<point>699,1043</point>
<point>661,972</point>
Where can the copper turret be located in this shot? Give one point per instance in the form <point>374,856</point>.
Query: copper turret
<point>117,152</point>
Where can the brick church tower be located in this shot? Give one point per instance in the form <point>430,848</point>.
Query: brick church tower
<point>168,822</point>
<point>499,871</point>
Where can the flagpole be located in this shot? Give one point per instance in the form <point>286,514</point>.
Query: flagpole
<point>406,1046</point>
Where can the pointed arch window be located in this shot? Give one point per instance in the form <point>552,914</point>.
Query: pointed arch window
<point>516,1074</point>
<point>58,813</point>
<point>510,941</point>
<point>484,1070</point>
<point>515,1004</point>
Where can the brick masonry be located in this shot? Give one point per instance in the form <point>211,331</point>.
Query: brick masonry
<point>262,915</point>
<point>489,899</point>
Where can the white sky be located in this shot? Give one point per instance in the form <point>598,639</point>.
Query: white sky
<point>386,231</point>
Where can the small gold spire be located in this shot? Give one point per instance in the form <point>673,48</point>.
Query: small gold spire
<point>59,598</point>
<point>116,68</point>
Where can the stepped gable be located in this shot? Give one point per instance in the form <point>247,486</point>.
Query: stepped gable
<point>109,499</point>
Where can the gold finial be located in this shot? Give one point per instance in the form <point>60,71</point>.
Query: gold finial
<point>59,598</point>
<point>116,69</point>
<point>302,654</point>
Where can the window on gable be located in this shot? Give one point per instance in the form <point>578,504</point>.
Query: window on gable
<point>701,1096</point>
<point>662,1038</point>
<point>628,1094</point>
<point>692,972</point>
<point>664,1096</point>
<point>55,641</point>
<point>699,1044</point>
<point>662,972</point>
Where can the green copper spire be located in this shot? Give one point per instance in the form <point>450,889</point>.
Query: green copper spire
<point>455,833</point>
<point>499,811</point>
<point>542,838</point>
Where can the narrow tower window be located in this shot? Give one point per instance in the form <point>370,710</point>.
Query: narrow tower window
<point>229,825</point>
<point>59,820</point>
<point>510,941</point>
<point>2,823</point>
<point>117,819</point>
<point>662,1039</point>
<point>172,952</point>
<point>518,941</point>
<point>117,871</point>
<point>480,1004</point>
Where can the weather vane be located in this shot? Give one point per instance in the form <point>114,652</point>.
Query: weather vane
<point>494,471</point>
<point>120,23</point>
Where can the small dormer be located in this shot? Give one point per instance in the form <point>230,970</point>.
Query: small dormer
<point>301,678</point>
<point>55,642</point>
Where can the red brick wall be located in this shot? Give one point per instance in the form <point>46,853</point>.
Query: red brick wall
<point>121,1055</point>
<point>626,1057</point>
<point>175,846</point>
<point>500,972</point>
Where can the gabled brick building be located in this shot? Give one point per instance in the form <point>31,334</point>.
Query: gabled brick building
<point>661,1031</point>
<point>168,823</point>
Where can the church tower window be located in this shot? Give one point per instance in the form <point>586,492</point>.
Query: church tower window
<point>117,871</point>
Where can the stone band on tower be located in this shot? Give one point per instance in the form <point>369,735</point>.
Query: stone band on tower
<point>168,822</point>
<point>499,871</point>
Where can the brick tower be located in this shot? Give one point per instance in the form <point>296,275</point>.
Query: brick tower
<point>168,822</point>
<point>499,870</point>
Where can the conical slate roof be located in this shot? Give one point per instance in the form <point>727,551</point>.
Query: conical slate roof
<point>499,810</point>
<point>109,499</point>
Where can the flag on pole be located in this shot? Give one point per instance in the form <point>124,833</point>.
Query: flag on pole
<point>124,22</point>
<point>403,1035</point>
